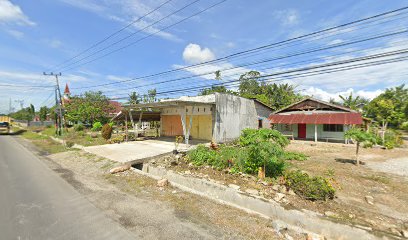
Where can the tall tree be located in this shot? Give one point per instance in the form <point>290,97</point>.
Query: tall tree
<point>43,113</point>
<point>390,107</point>
<point>248,83</point>
<point>214,89</point>
<point>350,101</point>
<point>134,98</point>
<point>88,108</point>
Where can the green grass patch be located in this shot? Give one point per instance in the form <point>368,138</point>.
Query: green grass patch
<point>309,187</point>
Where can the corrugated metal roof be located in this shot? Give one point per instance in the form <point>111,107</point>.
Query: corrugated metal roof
<point>317,118</point>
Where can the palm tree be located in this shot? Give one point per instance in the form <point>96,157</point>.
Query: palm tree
<point>134,98</point>
<point>350,101</point>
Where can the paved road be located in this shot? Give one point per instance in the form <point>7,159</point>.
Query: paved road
<point>35,203</point>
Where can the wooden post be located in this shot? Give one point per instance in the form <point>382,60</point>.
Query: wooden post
<point>126,128</point>
<point>315,133</point>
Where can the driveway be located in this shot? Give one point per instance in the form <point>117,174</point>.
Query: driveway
<point>132,151</point>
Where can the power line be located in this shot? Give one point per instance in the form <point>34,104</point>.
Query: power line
<point>147,36</point>
<point>365,58</point>
<point>258,48</point>
<point>295,54</point>
<point>113,34</point>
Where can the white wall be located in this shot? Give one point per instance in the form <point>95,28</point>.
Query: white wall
<point>310,130</point>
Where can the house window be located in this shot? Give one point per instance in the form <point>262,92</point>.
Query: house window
<point>287,127</point>
<point>333,128</point>
<point>204,110</point>
<point>198,109</point>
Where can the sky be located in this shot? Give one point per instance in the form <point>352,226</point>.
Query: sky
<point>169,35</point>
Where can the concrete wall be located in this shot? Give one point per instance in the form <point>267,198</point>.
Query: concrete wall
<point>232,115</point>
<point>263,113</point>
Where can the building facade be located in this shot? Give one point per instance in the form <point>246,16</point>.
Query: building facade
<point>313,119</point>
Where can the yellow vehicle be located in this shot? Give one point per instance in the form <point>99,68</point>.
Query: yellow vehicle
<point>5,122</point>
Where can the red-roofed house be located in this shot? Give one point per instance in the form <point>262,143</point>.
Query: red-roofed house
<point>116,108</point>
<point>314,119</point>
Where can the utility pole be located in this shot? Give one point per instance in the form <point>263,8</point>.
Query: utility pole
<point>21,102</point>
<point>58,102</point>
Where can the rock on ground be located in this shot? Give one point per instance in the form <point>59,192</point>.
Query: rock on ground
<point>120,169</point>
<point>163,182</point>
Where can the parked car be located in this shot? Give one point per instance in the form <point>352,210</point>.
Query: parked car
<point>5,127</point>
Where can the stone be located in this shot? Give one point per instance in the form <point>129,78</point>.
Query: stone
<point>252,191</point>
<point>94,135</point>
<point>236,187</point>
<point>163,182</point>
<point>331,214</point>
<point>313,236</point>
<point>265,183</point>
<point>395,231</point>
<point>369,200</point>
<point>187,172</point>
<point>279,196</point>
<point>364,227</point>
<point>173,162</point>
<point>404,233</point>
<point>275,187</point>
<point>288,237</point>
<point>351,215</point>
<point>120,169</point>
<point>174,192</point>
<point>291,192</point>
<point>282,189</point>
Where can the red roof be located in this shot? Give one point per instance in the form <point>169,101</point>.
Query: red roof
<point>117,107</point>
<point>67,89</point>
<point>318,118</point>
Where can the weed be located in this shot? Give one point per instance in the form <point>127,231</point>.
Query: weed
<point>309,187</point>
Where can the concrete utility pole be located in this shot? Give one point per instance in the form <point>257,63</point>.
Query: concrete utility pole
<point>58,101</point>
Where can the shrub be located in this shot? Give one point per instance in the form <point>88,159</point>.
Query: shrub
<point>106,131</point>
<point>404,126</point>
<point>69,144</point>
<point>311,188</point>
<point>97,126</point>
<point>118,139</point>
<point>201,155</point>
<point>250,136</point>
<point>78,127</point>
<point>392,139</point>
<point>294,156</point>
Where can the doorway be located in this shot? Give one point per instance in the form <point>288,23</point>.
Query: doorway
<point>302,130</point>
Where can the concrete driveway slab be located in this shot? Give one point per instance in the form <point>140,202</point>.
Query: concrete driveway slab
<point>132,151</point>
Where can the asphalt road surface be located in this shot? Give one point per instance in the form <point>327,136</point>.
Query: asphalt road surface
<point>35,203</point>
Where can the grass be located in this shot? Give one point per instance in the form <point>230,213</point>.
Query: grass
<point>377,178</point>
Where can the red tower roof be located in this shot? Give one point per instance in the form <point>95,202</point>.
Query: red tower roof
<point>66,91</point>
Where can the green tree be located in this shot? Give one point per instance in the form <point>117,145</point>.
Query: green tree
<point>43,113</point>
<point>350,101</point>
<point>360,136</point>
<point>390,107</point>
<point>88,108</point>
<point>134,98</point>
<point>214,89</point>
<point>26,114</point>
<point>150,96</point>
<point>248,83</point>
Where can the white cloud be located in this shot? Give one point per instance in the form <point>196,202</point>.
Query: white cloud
<point>16,34</point>
<point>326,96</point>
<point>10,13</point>
<point>126,11</point>
<point>287,17</point>
<point>193,53</point>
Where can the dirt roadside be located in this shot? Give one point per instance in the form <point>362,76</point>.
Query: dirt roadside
<point>151,212</point>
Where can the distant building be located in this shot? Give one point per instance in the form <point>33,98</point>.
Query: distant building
<point>67,95</point>
<point>219,117</point>
<point>314,119</point>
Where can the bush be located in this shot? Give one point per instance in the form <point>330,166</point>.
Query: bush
<point>294,156</point>
<point>97,126</point>
<point>106,131</point>
<point>78,127</point>
<point>250,136</point>
<point>392,139</point>
<point>404,126</point>
<point>201,155</point>
<point>118,139</point>
<point>311,188</point>
<point>69,144</point>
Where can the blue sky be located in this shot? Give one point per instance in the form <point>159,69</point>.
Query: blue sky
<point>37,36</point>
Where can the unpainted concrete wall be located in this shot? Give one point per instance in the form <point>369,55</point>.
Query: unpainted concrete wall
<point>263,113</point>
<point>232,115</point>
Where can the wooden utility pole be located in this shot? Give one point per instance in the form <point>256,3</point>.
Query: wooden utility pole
<point>58,101</point>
